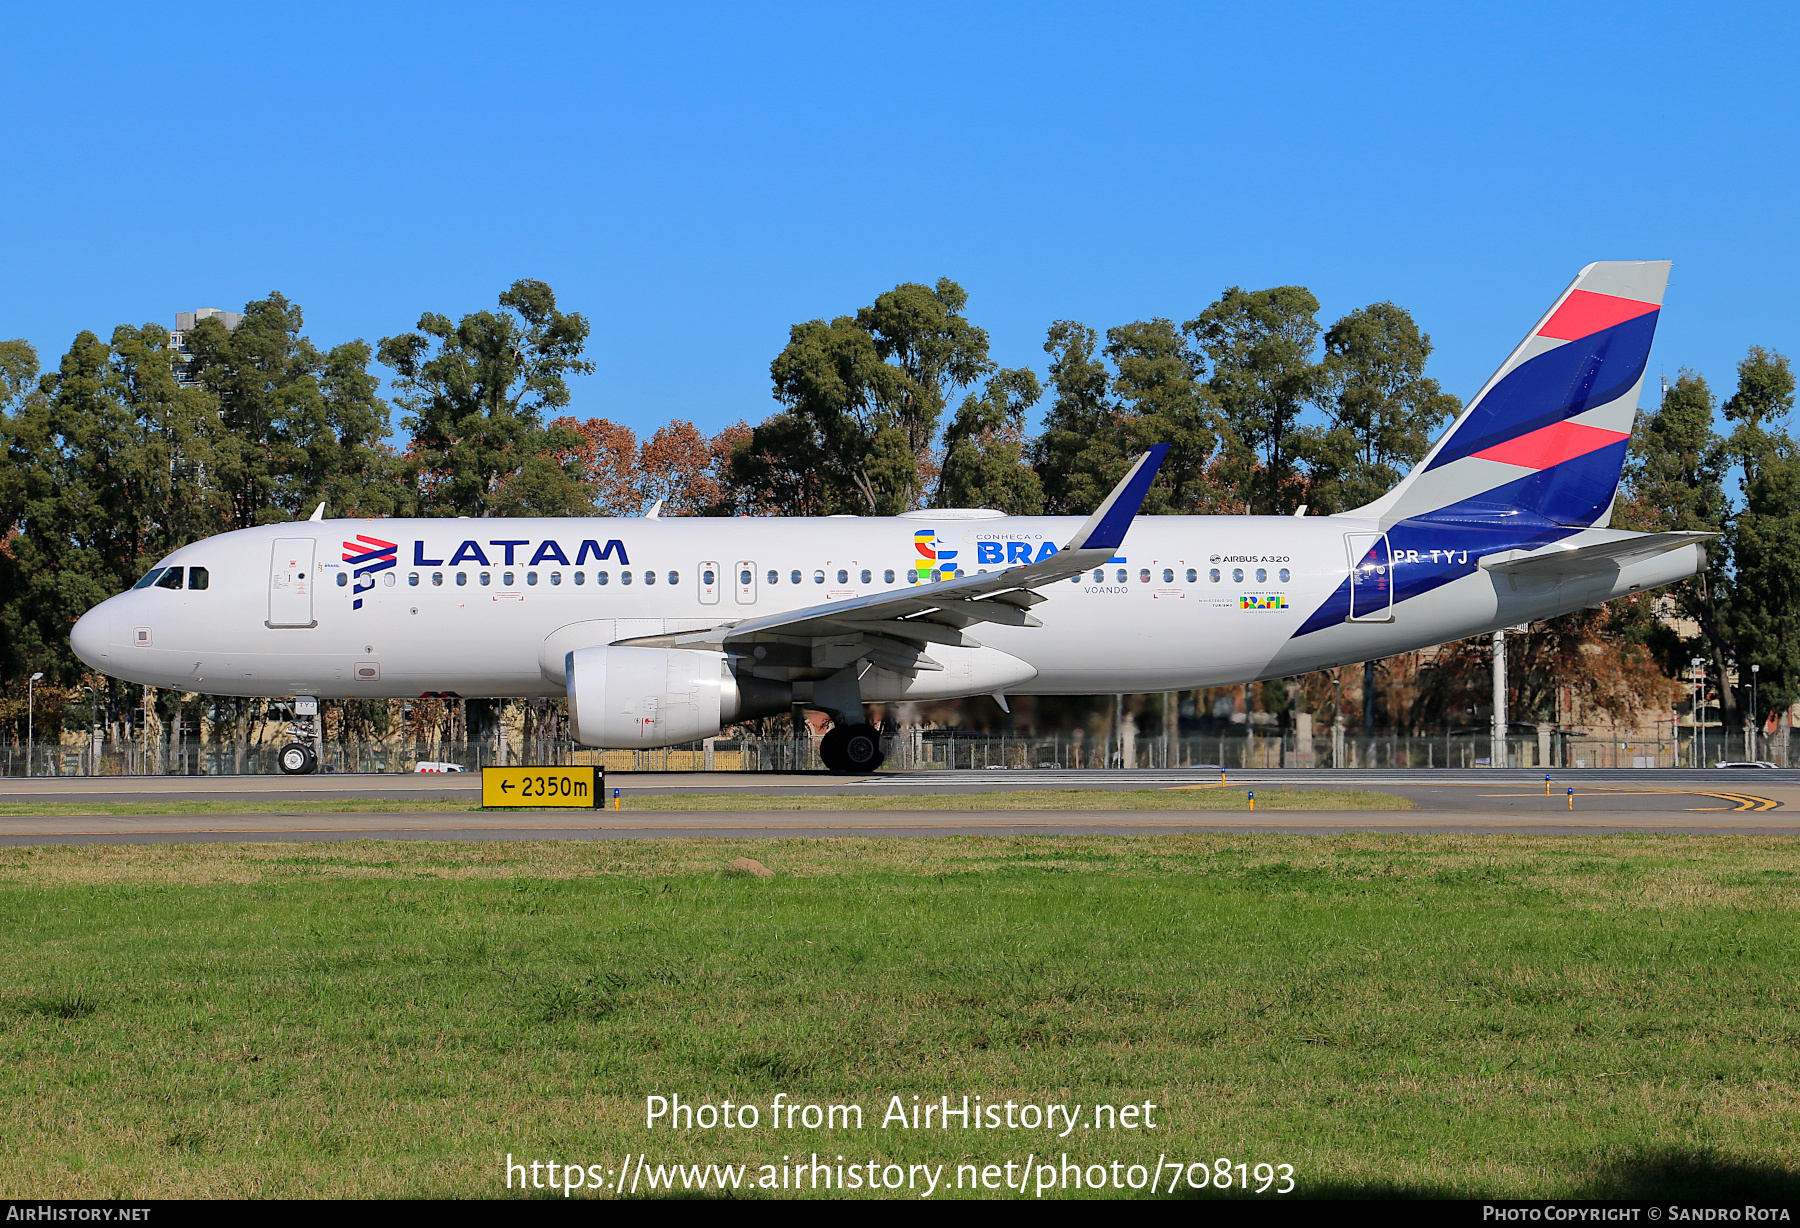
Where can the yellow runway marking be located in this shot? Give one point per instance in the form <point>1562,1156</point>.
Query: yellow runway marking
<point>1740,801</point>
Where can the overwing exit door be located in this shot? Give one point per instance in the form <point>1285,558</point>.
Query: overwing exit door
<point>1371,578</point>
<point>291,581</point>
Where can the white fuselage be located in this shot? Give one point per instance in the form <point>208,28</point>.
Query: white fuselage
<point>489,607</point>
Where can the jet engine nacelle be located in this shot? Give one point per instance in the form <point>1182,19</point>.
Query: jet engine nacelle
<point>627,698</point>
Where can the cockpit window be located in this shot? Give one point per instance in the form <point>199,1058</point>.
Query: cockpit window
<point>171,578</point>
<point>150,577</point>
<point>198,577</point>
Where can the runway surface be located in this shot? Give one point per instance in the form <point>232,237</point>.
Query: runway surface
<point>1480,800</point>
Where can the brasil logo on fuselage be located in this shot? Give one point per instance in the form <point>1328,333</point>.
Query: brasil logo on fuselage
<point>934,562</point>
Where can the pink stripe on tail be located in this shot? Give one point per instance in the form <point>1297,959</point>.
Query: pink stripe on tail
<point>1551,445</point>
<point>1585,313</point>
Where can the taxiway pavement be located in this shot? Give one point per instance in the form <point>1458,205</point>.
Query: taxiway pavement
<point>1446,800</point>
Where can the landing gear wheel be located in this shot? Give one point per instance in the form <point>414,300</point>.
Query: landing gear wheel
<point>852,748</point>
<point>297,759</point>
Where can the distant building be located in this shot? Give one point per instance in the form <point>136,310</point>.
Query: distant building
<point>184,324</point>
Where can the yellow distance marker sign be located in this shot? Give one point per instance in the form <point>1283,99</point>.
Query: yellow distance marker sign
<point>542,786</point>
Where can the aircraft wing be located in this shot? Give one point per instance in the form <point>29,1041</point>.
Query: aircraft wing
<point>1598,557</point>
<point>893,629</point>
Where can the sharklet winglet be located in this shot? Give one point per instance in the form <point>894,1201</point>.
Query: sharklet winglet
<point>1106,528</point>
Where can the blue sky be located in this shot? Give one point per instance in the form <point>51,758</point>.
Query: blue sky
<point>696,178</point>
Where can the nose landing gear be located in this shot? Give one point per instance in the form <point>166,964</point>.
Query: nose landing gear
<point>297,759</point>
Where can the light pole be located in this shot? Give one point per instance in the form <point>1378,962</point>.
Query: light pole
<point>96,739</point>
<point>31,719</point>
<point>1755,714</point>
<point>1699,698</point>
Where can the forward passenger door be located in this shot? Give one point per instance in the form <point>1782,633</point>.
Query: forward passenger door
<point>291,581</point>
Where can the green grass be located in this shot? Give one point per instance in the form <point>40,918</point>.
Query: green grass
<point>1493,1016</point>
<point>1209,798</point>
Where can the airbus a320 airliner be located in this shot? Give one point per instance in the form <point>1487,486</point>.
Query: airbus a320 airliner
<point>661,631</point>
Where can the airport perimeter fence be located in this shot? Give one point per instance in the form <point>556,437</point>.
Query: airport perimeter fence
<point>921,750</point>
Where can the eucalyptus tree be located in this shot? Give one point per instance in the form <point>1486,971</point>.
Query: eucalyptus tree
<point>1761,615</point>
<point>984,448</point>
<point>863,397</point>
<point>479,394</point>
<point>1110,404</point>
<point>299,426</point>
<point>1674,480</point>
<point>1260,344</point>
<point>1383,410</point>
<point>109,470</point>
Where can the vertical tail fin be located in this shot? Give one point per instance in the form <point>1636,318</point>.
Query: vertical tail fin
<point>1546,436</point>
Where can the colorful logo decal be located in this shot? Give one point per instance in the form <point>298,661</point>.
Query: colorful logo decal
<point>1262,603</point>
<point>368,555</point>
<point>933,562</point>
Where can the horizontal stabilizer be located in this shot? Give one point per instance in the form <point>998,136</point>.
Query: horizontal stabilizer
<point>1577,561</point>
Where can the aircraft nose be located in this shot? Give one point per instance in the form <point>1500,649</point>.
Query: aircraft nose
<point>91,636</point>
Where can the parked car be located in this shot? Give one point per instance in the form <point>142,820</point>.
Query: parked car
<point>440,767</point>
<point>1744,763</point>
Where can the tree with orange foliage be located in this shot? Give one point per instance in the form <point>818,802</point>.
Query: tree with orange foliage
<point>1592,652</point>
<point>680,467</point>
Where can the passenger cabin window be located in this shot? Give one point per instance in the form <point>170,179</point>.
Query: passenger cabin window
<point>1168,575</point>
<point>674,577</point>
<point>1099,576</point>
<point>844,576</point>
<point>531,577</point>
<point>1193,575</point>
<point>485,578</point>
<point>624,577</point>
<point>706,577</point>
<point>555,578</point>
<point>437,579</point>
<point>866,576</point>
<point>1144,576</point>
<point>794,577</point>
<point>1284,575</point>
<point>343,579</point>
<point>649,576</point>
<point>1214,575</point>
<point>1262,575</point>
<point>887,577</point>
<point>462,578</point>
<point>412,579</point>
<point>818,577</point>
<point>602,577</point>
<point>507,579</point>
<point>581,577</point>
<point>1237,575</point>
<point>1121,578</point>
<point>774,577</point>
<point>198,577</point>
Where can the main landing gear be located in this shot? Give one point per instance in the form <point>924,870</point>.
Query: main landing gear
<point>851,748</point>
